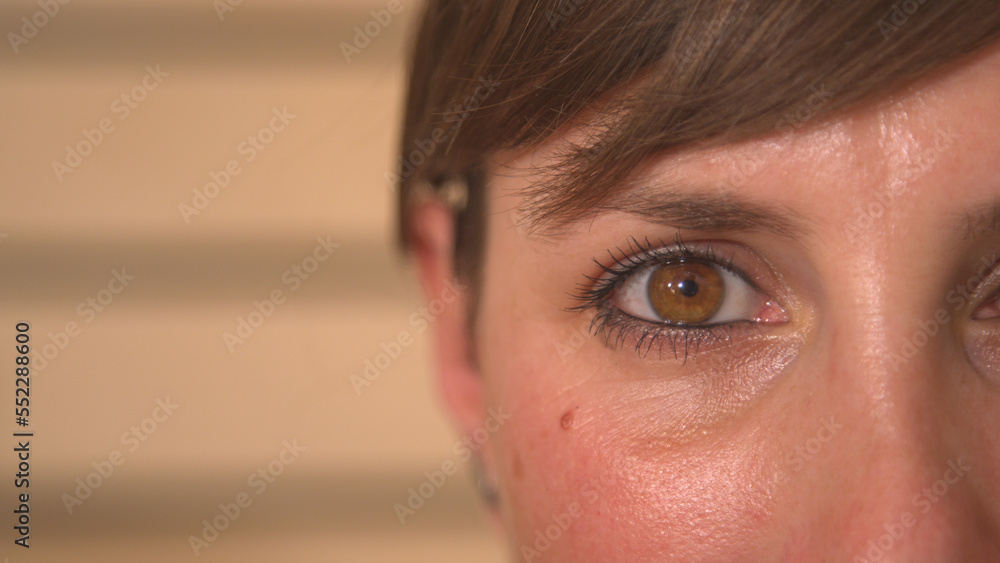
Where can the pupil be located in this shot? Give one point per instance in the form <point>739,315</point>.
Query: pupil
<point>686,293</point>
<point>689,288</point>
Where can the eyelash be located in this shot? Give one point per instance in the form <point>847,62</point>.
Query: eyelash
<point>617,327</point>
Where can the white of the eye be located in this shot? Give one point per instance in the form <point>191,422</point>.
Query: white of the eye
<point>738,302</point>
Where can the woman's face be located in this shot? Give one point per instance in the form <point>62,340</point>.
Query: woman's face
<point>835,392</point>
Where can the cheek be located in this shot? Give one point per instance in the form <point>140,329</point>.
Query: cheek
<point>592,467</point>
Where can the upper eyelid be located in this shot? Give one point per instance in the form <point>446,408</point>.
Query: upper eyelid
<point>664,255</point>
<point>642,255</point>
<point>613,275</point>
<point>989,285</point>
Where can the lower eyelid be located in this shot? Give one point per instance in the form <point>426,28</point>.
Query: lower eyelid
<point>984,354</point>
<point>620,330</point>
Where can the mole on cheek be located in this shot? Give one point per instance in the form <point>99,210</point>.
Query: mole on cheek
<point>567,420</point>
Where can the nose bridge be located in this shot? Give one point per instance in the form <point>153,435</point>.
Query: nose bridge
<point>904,437</point>
<point>896,485</point>
<point>902,482</point>
<point>902,498</point>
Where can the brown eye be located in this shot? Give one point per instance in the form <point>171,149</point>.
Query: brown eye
<point>686,292</point>
<point>693,292</point>
<point>988,310</point>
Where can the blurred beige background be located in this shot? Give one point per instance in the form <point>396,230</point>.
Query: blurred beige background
<point>65,232</point>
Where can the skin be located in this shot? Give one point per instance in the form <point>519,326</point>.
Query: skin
<point>829,435</point>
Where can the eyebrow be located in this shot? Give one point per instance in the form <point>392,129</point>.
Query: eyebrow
<point>700,211</point>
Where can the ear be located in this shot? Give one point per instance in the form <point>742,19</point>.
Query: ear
<point>458,375</point>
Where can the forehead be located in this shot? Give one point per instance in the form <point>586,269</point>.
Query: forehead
<point>943,126</point>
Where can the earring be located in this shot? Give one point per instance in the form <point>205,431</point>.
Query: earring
<point>455,194</point>
<point>486,482</point>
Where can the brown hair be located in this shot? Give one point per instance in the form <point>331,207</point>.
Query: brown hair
<point>699,73</point>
